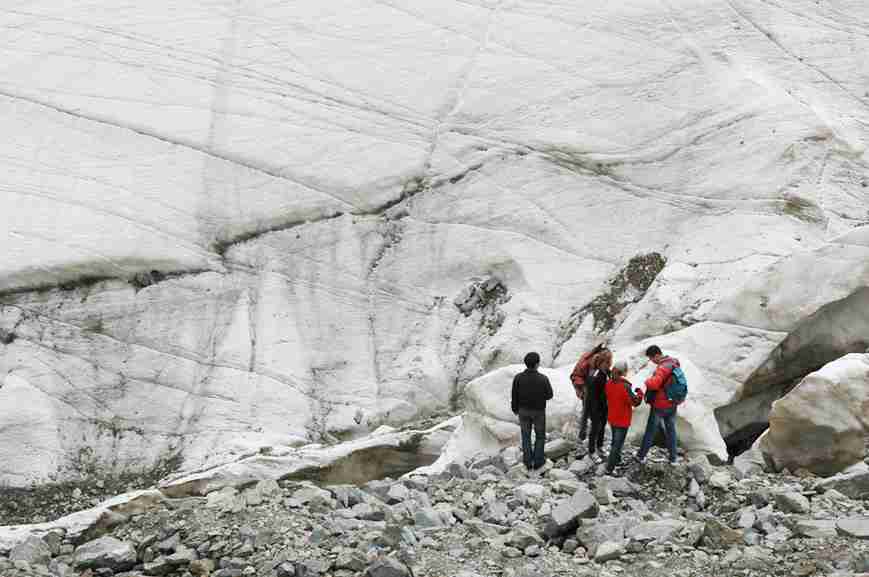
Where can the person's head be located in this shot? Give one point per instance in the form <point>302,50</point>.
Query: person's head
<point>620,370</point>
<point>532,360</point>
<point>602,360</point>
<point>654,353</point>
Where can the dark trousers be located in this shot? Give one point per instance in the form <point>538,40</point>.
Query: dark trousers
<point>597,414</point>
<point>618,442</point>
<point>583,417</point>
<point>531,419</point>
<point>656,416</point>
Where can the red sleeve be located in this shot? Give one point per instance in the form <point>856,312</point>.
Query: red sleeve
<point>656,381</point>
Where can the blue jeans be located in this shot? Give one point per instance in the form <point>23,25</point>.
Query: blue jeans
<point>528,419</point>
<point>615,457</point>
<point>668,416</point>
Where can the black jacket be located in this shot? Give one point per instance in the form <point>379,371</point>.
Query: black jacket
<point>531,390</point>
<point>596,383</point>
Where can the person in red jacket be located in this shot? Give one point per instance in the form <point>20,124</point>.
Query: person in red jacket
<point>662,409</point>
<point>621,400</point>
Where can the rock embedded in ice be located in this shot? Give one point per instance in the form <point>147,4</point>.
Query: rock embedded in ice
<point>821,424</point>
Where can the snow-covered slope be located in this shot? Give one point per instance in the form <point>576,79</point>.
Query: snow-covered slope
<point>232,224</point>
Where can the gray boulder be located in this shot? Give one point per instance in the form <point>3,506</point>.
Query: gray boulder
<point>348,495</point>
<point>857,527</point>
<point>105,552</point>
<point>495,512</point>
<point>592,535</point>
<point>312,495</point>
<point>717,535</point>
<point>387,567</point>
<point>660,531</point>
<point>558,448</point>
<point>815,528</point>
<point>566,514</point>
<point>428,519</point>
<point>609,551</point>
<point>34,551</point>
<point>855,485</point>
<point>792,502</point>
<point>523,536</point>
<point>159,566</point>
<point>619,486</point>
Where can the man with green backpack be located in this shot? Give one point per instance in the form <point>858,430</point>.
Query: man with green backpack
<point>665,391</point>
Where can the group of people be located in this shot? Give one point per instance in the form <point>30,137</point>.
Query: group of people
<point>607,396</point>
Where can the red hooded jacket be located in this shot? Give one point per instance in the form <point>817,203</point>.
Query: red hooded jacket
<point>621,400</point>
<point>658,382</point>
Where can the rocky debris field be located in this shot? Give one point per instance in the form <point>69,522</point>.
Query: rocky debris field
<point>20,505</point>
<point>489,518</point>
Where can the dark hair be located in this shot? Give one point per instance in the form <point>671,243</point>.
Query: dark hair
<point>653,350</point>
<point>532,360</point>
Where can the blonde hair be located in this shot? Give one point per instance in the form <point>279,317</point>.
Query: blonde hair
<point>620,369</point>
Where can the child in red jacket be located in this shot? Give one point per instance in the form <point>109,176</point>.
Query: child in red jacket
<point>621,400</point>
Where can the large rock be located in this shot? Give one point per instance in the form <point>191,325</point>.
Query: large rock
<point>815,528</point>
<point>387,567</point>
<point>609,551</point>
<point>567,513</point>
<point>854,527</point>
<point>822,423</point>
<point>592,535</point>
<point>660,531</point>
<point>105,552</point>
<point>253,256</point>
<point>34,551</point>
<point>853,483</point>
<point>792,502</point>
<point>717,535</point>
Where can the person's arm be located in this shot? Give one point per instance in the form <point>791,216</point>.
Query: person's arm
<point>636,396</point>
<point>657,380</point>
<point>548,389</point>
<point>513,397</point>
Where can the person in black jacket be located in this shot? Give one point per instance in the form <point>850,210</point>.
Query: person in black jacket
<point>599,374</point>
<point>531,390</point>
